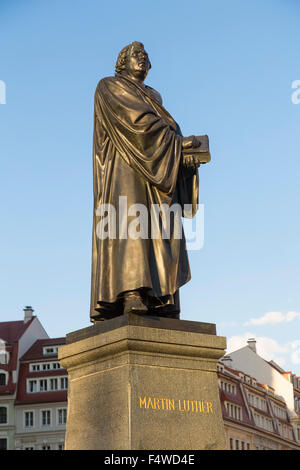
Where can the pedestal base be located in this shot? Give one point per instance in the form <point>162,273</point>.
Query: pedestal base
<point>144,383</point>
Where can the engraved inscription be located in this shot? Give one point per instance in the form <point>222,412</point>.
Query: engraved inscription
<point>170,404</point>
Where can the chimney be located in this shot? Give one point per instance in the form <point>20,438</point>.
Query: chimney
<point>252,344</point>
<point>28,311</point>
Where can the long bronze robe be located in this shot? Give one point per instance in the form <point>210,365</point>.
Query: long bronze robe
<point>138,154</point>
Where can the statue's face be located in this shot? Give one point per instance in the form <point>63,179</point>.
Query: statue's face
<point>138,63</point>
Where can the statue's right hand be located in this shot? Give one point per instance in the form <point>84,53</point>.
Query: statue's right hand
<point>191,162</point>
<point>188,161</point>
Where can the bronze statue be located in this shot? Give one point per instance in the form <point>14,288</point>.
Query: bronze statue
<point>140,157</point>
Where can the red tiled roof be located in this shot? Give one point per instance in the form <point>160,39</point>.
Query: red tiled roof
<point>36,350</point>
<point>11,331</point>
<point>233,371</point>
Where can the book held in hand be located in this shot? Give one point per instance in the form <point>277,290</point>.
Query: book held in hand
<point>201,154</point>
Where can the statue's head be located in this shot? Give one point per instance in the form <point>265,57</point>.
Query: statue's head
<point>133,60</point>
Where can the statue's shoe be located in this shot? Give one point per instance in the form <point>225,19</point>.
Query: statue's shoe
<point>133,303</point>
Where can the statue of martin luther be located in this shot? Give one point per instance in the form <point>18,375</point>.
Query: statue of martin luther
<point>139,153</point>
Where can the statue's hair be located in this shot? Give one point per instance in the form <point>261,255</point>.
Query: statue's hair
<point>122,57</point>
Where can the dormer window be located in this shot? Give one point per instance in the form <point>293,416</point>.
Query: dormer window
<point>2,379</point>
<point>50,350</point>
<point>4,357</point>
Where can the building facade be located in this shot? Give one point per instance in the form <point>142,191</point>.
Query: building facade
<point>260,402</point>
<point>258,415</point>
<point>296,418</point>
<point>33,387</point>
<point>15,338</point>
<point>41,401</point>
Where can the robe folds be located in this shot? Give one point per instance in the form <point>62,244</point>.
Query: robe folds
<point>137,154</point>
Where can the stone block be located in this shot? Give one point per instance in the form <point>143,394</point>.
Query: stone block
<point>144,383</point>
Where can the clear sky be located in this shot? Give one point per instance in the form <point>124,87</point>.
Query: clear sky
<point>223,68</point>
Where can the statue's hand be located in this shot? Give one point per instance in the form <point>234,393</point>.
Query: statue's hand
<point>197,160</point>
<point>190,161</point>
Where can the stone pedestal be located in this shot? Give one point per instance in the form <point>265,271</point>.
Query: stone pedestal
<point>143,383</point>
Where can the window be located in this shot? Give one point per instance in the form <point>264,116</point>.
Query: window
<point>270,425</point>
<point>263,422</point>
<point>53,384</point>
<point>3,415</point>
<point>228,387</point>
<point>64,383</point>
<point>236,444</point>
<point>258,402</point>
<point>2,379</point>
<point>279,429</point>
<point>43,385</point>
<point>28,419</point>
<point>234,411</point>
<point>62,416</point>
<point>263,404</point>
<point>50,350</point>
<point>44,366</point>
<point>46,418</point>
<point>49,384</point>
<point>3,444</point>
<point>32,386</point>
<point>279,411</point>
<point>4,356</point>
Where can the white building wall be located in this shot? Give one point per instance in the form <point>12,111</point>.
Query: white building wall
<point>252,364</point>
<point>39,435</point>
<point>34,331</point>
<point>37,411</point>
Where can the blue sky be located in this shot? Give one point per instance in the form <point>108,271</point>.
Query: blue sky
<point>224,69</point>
